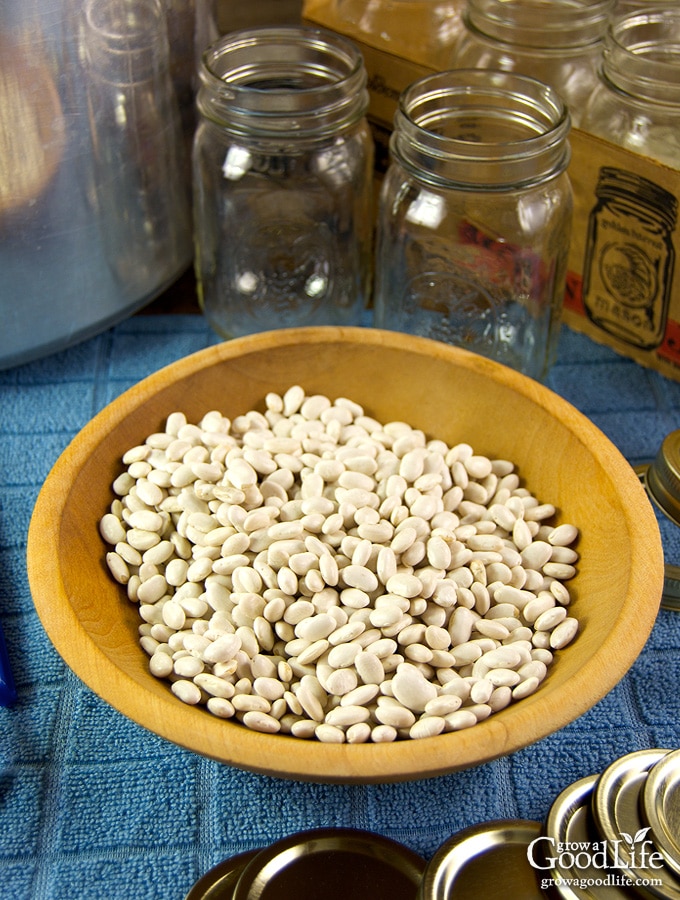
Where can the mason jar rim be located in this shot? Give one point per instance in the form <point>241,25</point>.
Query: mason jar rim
<point>262,78</point>
<point>138,27</point>
<point>539,24</point>
<point>533,116</point>
<point>122,45</point>
<point>642,55</point>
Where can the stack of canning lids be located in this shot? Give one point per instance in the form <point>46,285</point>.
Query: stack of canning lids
<point>661,479</point>
<point>321,864</point>
<point>609,836</point>
<point>618,834</point>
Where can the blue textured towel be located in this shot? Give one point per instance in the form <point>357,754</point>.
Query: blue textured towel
<point>93,806</point>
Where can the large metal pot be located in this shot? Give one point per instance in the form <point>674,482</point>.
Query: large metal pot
<point>95,120</point>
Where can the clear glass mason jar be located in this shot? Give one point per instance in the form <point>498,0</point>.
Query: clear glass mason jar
<point>556,41</point>
<point>637,102</point>
<point>421,30</point>
<point>475,216</point>
<point>140,177</point>
<point>283,166</point>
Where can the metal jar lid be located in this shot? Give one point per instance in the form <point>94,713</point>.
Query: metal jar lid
<point>616,810</point>
<point>327,862</point>
<point>484,861</point>
<point>661,807</point>
<point>661,479</point>
<point>219,882</point>
<point>574,859</point>
<point>333,863</point>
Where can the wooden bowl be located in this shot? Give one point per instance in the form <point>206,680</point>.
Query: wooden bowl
<point>448,393</point>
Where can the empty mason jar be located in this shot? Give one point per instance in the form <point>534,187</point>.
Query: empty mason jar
<point>556,41</point>
<point>283,165</point>
<point>140,177</point>
<point>628,281</point>
<point>637,101</point>
<point>475,215</point>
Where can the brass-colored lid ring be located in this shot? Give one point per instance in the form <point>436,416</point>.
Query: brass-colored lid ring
<point>663,477</point>
<point>661,480</point>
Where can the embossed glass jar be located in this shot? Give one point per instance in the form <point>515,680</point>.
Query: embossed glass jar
<point>637,102</point>
<point>282,162</point>
<point>475,216</point>
<point>630,254</point>
<point>556,41</point>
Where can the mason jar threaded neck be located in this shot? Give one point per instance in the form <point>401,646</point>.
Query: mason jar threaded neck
<point>550,25</point>
<point>286,80</point>
<point>481,130</point>
<point>641,55</point>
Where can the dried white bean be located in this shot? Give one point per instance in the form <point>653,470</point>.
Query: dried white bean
<point>564,633</point>
<point>161,664</point>
<point>526,687</point>
<point>359,733</point>
<point>550,618</point>
<point>118,567</point>
<point>221,707</point>
<point>428,726</point>
<point>188,666</point>
<point>111,529</point>
<point>480,691</point>
<point>412,688</point>
<point>536,555</point>
<point>395,716</point>
<point>187,691</point>
<point>344,716</point>
<point>563,571</point>
<point>461,718</point>
<point>261,721</point>
<point>342,681</point>
<point>563,535</point>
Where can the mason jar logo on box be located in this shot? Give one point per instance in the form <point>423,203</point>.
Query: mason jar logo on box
<point>628,269</point>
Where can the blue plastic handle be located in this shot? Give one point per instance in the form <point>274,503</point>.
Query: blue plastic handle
<point>8,692</point>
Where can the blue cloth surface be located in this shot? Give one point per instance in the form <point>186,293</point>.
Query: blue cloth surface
<point>92,805</point>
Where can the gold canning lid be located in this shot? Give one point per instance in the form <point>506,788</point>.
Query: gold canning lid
<point>573,853</point>
<point>661,807</point>
<point>333,863</point>
<point>485,861</point>
<point>616,810</point>
<point>661,479</point>
<point>219,882</point>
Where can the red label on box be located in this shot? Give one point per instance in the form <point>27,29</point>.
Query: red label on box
<point>670,346</point>
<point>573,294</point>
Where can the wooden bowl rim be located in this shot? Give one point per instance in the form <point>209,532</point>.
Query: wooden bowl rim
<point>283,756</point>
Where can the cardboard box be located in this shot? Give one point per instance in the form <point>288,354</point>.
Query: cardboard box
<point>623,281</point>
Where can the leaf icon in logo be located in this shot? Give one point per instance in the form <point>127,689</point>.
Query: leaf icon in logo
<point>639,836</point>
